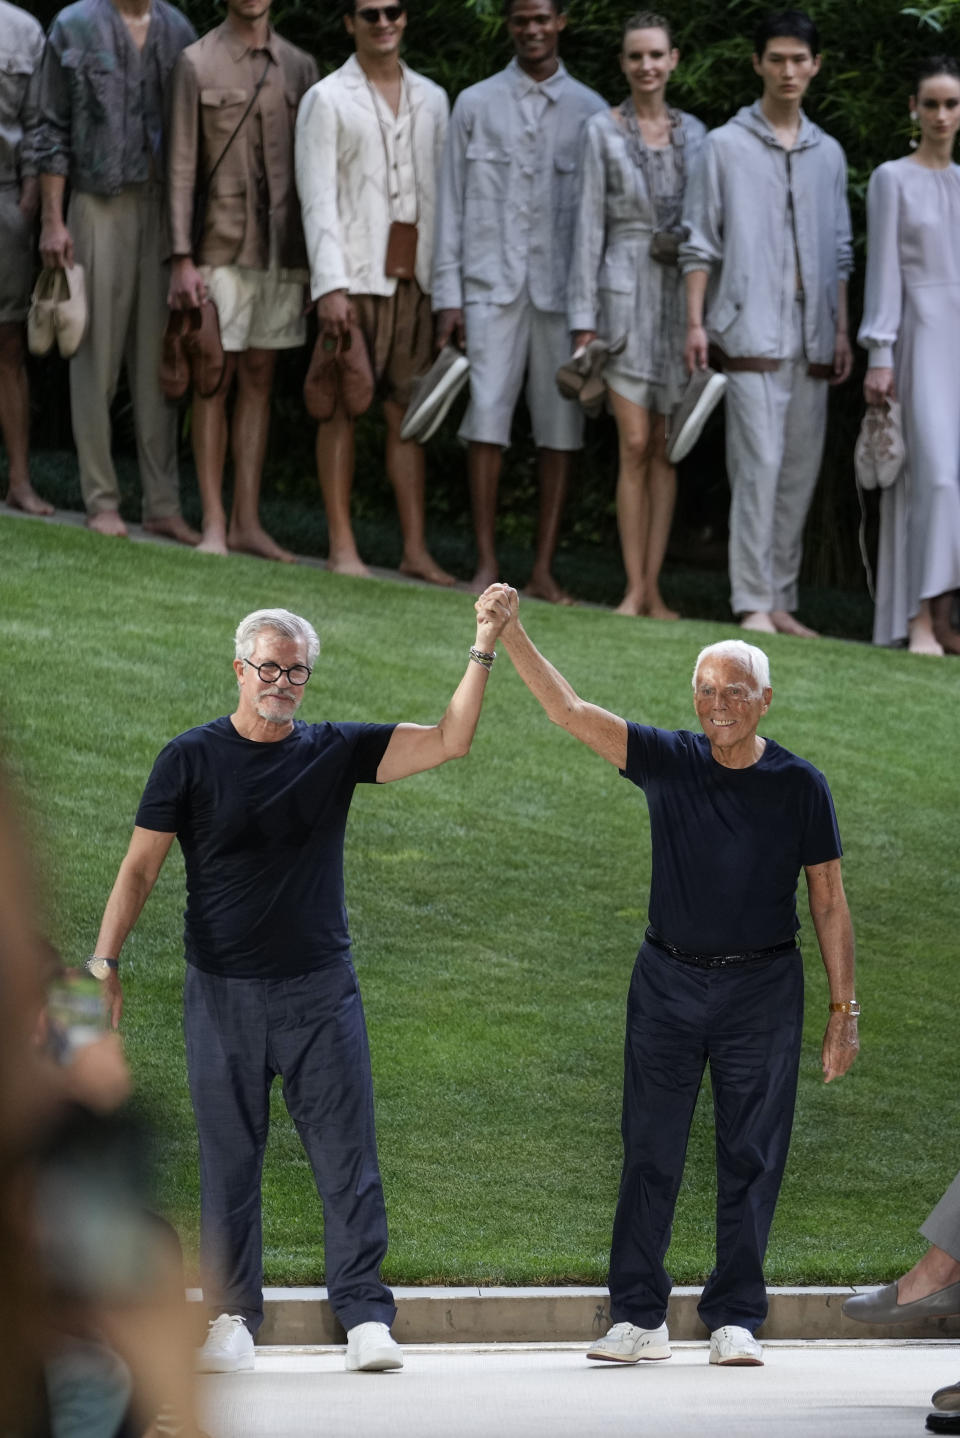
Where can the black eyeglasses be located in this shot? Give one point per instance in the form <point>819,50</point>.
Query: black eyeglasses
<point>370,14</point>
<point>269,673</point>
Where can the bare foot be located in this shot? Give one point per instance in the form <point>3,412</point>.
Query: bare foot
<point>484,577</point>
<point>758,619</point>
<point>107,522</point>
<point>922,638</point>
<point>544,586</point>
<point>785,623</point>
<point>174,526</point>
<point>257,541</point>
<point>349,562</point>
<point>947,637</point>
<point>25,497</point>
<point>424,566</point>
<point>631,604</point>
<point>214,540</point>
<point>935,1270</point>
<point>656,609</point>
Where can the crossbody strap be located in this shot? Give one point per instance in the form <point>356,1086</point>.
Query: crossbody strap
<point>203,191</point>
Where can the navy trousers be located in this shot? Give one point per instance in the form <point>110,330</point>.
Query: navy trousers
<point>746,1022</point>
<point>240,1034</point>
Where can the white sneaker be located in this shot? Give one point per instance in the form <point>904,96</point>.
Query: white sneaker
<point>626,1343</point>
<point>704,391</point>
<point>228,1347</point>
<point>370,1349</point>
<point>735,1347</point>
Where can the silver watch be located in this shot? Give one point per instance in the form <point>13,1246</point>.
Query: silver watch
<point>100,968</point>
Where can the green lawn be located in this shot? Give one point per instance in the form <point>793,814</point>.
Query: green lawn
<point>497,905</point>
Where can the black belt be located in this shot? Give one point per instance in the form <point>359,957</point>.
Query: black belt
<point>718,961</point>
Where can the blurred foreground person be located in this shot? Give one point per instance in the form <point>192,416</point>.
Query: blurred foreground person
<point>719,979</point>
<point>259,802</point>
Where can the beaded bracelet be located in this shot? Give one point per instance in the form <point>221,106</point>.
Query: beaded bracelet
<point>483,659</point>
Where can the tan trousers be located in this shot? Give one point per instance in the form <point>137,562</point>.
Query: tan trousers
<point>117,240</point>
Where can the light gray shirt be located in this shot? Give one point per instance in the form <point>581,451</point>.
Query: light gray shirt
<point>508,190</point>
<point>760,218</point>
<point>21,49</point>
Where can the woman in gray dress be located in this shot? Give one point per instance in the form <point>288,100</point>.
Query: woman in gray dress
<point>911,326</point>
<point>624,281</point>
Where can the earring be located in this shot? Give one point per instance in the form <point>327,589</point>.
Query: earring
<point>914,130</point>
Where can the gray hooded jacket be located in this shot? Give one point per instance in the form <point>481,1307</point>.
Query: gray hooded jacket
<point>758,215</point>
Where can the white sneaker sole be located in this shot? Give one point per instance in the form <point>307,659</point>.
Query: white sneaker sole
<point>653,1353</point>
<point>742,1361</point>
<point>224,1364</point>
<point>686,437</point>
<point>446,389</point>
<point>380,1360</point>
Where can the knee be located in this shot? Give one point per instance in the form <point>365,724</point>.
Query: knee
<point>256,371</point>
<point>636,450</point>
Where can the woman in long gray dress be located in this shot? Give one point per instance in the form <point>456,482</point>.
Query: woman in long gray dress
<point>911,326</point>
<point>635,162</point>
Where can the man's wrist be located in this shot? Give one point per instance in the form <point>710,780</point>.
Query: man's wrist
<point>850,1008</point>
<point>100,966</point>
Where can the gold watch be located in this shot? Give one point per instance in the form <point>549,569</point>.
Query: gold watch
<point>852,1007</point>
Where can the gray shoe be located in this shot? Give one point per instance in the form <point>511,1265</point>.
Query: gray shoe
<point>881,1306</point>
<point>433,394</point>
<point>947,1400</point>
<point>703,392</point>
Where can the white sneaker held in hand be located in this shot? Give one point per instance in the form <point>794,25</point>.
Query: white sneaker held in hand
<point>228,1347</point>
<point>371,1349</point>
<point>626,1343</point>
<point>735,1347</point>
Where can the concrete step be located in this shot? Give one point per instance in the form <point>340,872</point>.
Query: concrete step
<point>303,1316</point>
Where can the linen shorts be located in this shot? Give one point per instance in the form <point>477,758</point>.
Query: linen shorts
<point>258,309</point>
<point>504,343</point>
<point>16,257</point>
<point>643,392</point>
<point>398,329</point>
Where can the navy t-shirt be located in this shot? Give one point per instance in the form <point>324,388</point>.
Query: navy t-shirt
<point>261,827</point>
<point>728,844</point>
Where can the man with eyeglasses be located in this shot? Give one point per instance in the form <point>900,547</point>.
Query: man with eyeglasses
<point>734,817</point>
<point>259,802</point>
<point>504,246</point>
<point>368,147</point>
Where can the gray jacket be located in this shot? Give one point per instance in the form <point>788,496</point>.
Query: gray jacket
<point>508,192</point>
<point>757,213</point>
<point>103,105</point>
<point>21,46</point>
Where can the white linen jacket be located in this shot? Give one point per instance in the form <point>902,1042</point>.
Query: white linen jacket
<point>341,170</point>
<point>743,200</point>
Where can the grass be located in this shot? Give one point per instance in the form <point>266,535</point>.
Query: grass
<point>695,579</point>
<point>496,906</point>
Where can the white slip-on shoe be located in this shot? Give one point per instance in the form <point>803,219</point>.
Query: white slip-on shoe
<point>228,1347</point>
<point>735,1347</point>
<point>704,391</point>
<point>70,312</point>
<point>626,1343</point>
<point>433,394</point>
<point>41,330</point>
<point>371,1349</point>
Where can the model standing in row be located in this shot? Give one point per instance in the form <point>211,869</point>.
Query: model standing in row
<point>911,327</point>
<point>625,281</point>
<point>766,267</point>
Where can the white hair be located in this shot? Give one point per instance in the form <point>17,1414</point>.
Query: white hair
<point>748,656</point>
<point>291,626</point>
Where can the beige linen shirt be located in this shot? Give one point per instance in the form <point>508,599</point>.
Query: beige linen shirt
<point>252,214</point>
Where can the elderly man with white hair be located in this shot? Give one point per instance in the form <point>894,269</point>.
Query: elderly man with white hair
<point>259,802</point>
<point>734,817</point>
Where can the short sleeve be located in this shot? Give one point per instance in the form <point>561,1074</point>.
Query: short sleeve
<point>647,748</point>
<point>162,804</point>
<point>369,746</point>
<point>821,834</point>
